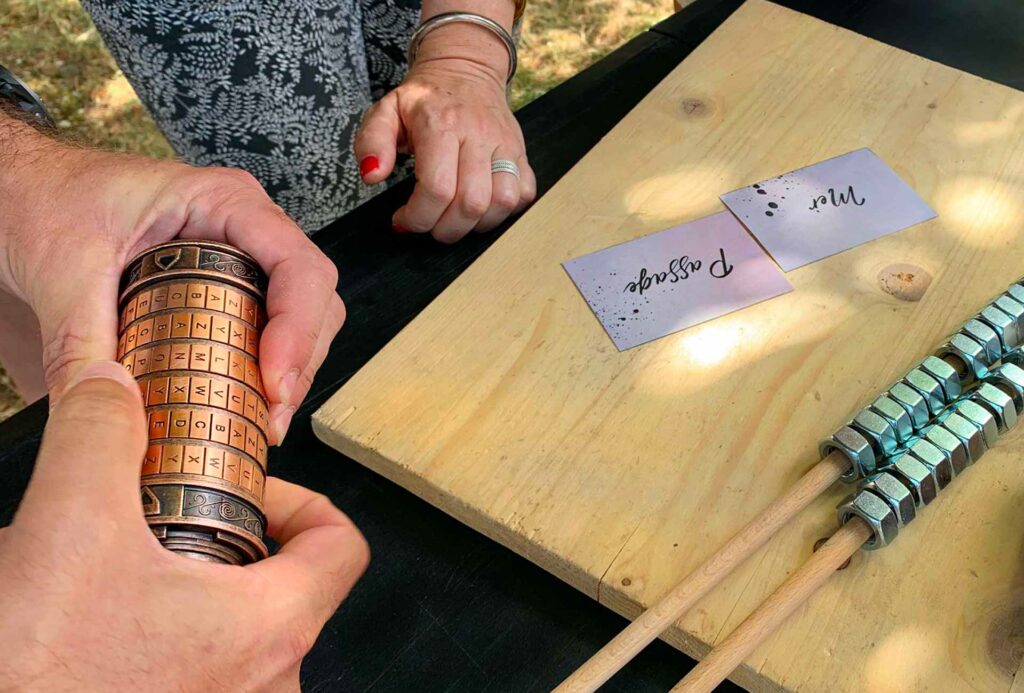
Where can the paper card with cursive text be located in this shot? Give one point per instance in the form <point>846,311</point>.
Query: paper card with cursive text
<point>823,209</point>
<point>659,284</point>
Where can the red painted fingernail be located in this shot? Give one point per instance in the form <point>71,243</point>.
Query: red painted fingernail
<point>398,227</point>
<point>368,165</point>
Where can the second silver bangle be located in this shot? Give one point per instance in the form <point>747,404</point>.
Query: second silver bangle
<point>440,20</point>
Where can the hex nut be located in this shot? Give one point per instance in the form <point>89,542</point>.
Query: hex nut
<point>968,433</point>
<point>928,387</point>
<point>856,449</point>
<point>890,410</point>
<point>945,374</point>
<point>985,336</point>
<point>998,403</point>
<point>935,460</point>
<point>982,418</point>
<point>892,491</point>
<point>1003,325</point>
<point>968,352</point>
<point>1013,308</point>
<point>1016,292</point>
<point>912,401</point>
<point>950,446</point>
<point>879,432</point>
<point>1009,377</point>
<point>916,477</point>
<point>878,515</point>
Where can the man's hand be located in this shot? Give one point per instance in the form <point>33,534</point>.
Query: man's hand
<point>73,218</point>
<point>91,601</point>
<point>451,111</point>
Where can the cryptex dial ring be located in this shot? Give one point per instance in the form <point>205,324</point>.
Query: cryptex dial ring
<point>191,313</point>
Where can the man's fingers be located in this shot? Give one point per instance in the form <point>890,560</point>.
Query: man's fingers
<point>281,414</point>
<point>86,479</point>
<point>376,143</point>
<point>472,194</point>
<point>322,553</point>
<point>437,172</point>
<point>302,281</point>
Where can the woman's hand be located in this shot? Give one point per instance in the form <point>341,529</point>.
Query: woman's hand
<point>73,218</point>
<point>451,112</point>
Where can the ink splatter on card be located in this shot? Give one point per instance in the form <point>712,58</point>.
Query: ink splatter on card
<point>820,210</point>
<point>665,282</point>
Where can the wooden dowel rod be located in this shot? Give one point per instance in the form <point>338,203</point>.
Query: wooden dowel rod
<point>767,618</point>
<point>670,608</point>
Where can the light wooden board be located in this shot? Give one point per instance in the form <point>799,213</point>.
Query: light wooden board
<point>506,405</point>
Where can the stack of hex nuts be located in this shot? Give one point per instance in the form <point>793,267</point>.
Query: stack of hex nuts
<point>939,419</point>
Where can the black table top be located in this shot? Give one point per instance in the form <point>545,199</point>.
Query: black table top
<point>442,607</point>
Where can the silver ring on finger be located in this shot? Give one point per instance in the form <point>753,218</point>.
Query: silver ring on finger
<point>505,166</point>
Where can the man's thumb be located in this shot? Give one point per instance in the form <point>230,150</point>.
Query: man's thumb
<point>91,454</point>
<point>74,341</point>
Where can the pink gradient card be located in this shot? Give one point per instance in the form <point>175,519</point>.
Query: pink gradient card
<point>665,282</point>
<point>823,209</point>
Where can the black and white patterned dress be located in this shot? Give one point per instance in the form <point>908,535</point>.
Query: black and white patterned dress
<point>276,87</point>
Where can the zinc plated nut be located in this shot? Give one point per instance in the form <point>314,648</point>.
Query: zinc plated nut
<point>944,374</point>
<point>891,410</point>
<point>983,419</point>
<point>928,387</point>
<point>1016,291</point>
<point>1009,377</point>
<point>985,336</point>
<point>916,477</point>
<point>890,489</point>
<point>879,432</point>
<point>912,401</point>
<point>950,446</point>
<point>935,460</point>
<point>968,352</point>
<point>1003,325</point>
<point>878,515</point>
<point>856,449</point>
<point>1013,308</point>
<point>968,433</point>
<point>998,403</point>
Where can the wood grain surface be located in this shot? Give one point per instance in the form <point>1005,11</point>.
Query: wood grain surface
<point>505,404</point>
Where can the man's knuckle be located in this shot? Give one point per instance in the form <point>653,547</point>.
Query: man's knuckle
<point>506,200</point>
<point>474,205</point>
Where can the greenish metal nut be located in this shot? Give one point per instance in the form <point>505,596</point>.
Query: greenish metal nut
<point>985,336</point>
<point>928,387</point>
<point>983,419</point>
<point>892,491</point>
<point>856,449</point>
<point>968,433</point>
<point>918,478</point>
<point>1009,377</point>
<point>1003,325</point>
<point>1013,308</point>
<point>890,410</point>
<point>1016,292</point>
<point>950,446</point>
<point>945,374</point>
<point>879,432</point>
<point>998,403</point>
<point>912,401</point>
<point>878,515</point>
<point>934,459</point>
<point>969,353</point>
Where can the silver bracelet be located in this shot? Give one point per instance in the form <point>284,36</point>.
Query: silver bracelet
<point>471,18</point>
